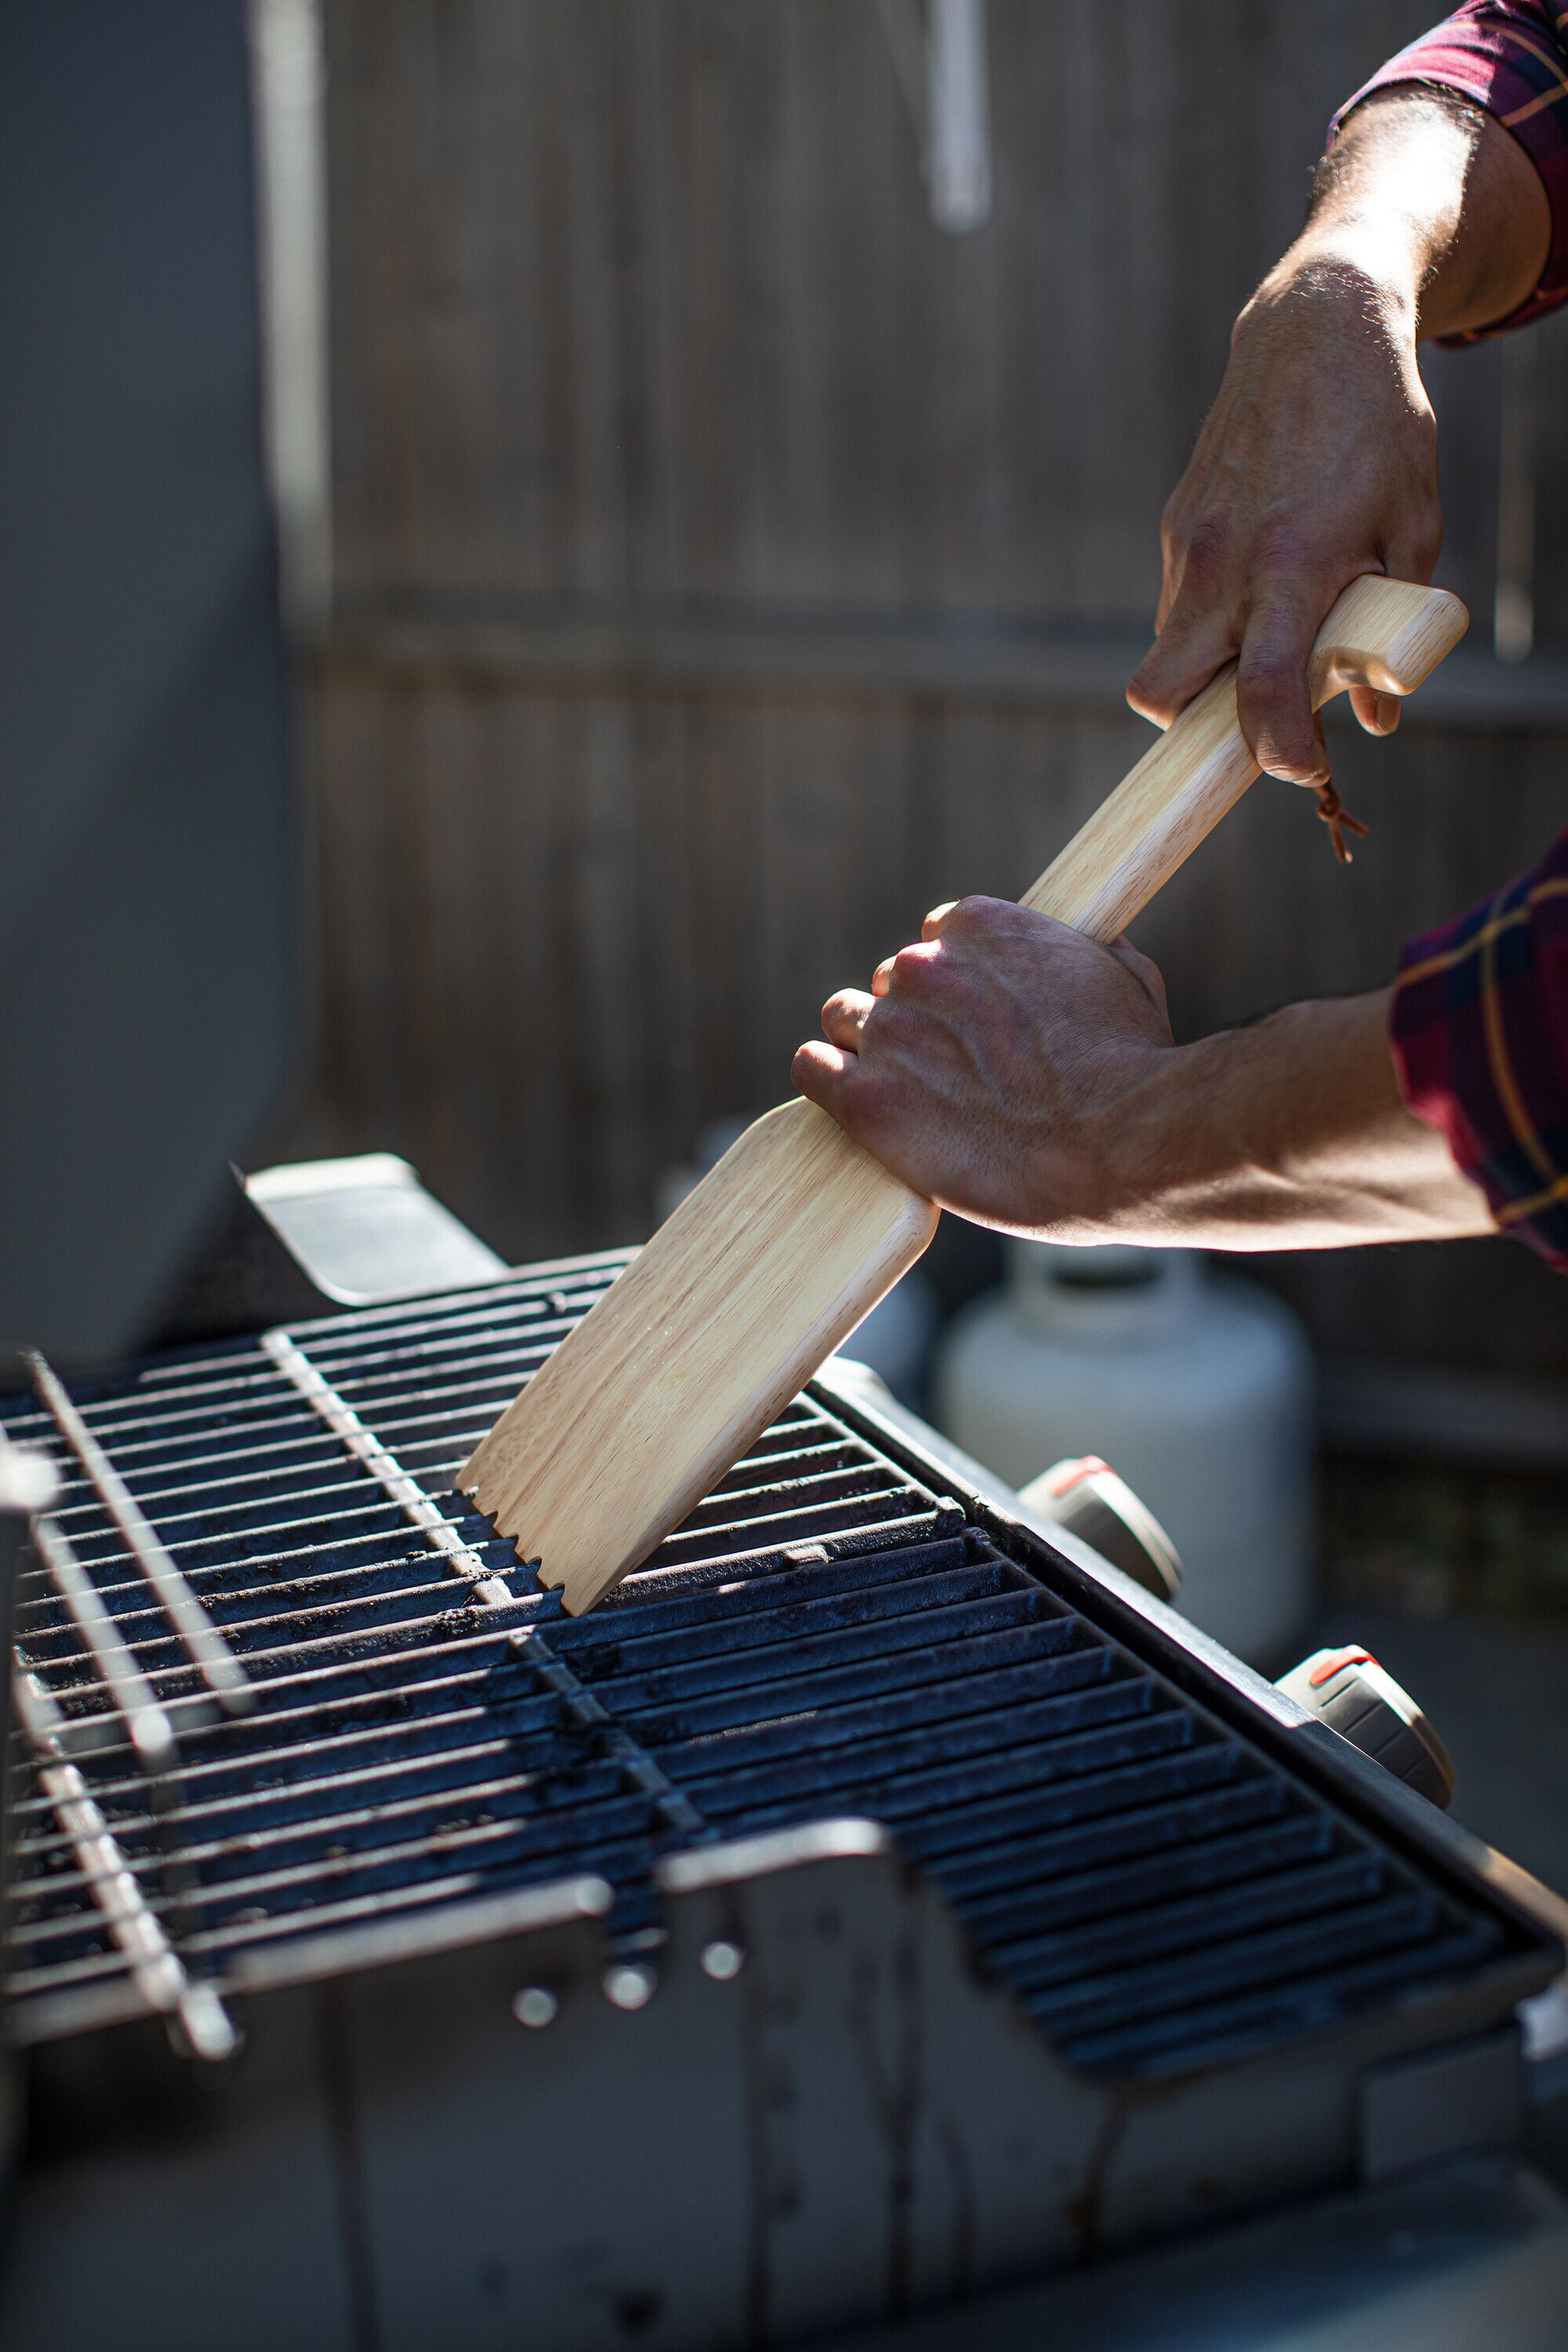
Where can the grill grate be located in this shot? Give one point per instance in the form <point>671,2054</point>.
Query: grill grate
<point>825,1634</point>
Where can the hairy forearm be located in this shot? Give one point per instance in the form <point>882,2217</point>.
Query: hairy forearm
<point>1317,461</point>
<point>1286,1135</point>
<point>1429,201</point>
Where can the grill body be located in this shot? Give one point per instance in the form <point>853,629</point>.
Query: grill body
<point>963,1912</point>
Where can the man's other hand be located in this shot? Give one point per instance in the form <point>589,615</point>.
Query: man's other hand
<point>1319,459</point>
<point>987,1064</point>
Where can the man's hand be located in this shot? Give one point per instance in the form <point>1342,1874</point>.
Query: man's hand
<point>1319,459</point>
<point>1012,1070</point>
<point>1317,463</point>
<point>986,1065</point>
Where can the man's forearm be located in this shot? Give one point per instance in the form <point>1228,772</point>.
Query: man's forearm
<point>1286,1135</point>
<point>1432,202</point>
<point>1319,459</point>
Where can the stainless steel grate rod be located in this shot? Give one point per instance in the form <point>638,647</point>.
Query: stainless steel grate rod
<point>201,2024</point>
<point>411,1498</point>
<point>208,1841</point>
<point>793,1465</point>
<point>130,1695</point>
<point>854,1487</point>
<point>216,1662</point>
<point>319,1615</point>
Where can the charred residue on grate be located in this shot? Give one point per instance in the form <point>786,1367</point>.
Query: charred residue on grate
<point>826,1635</point>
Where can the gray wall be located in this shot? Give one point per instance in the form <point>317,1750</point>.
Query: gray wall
<point>730,565</point>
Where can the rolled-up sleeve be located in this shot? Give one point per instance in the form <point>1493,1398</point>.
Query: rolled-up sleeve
<point>1509,56</point>
<point>1480,1034</point>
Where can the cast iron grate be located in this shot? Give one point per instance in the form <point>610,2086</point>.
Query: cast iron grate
<point>826,1634</point>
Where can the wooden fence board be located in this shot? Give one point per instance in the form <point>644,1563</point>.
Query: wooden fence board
<point>640,322</point>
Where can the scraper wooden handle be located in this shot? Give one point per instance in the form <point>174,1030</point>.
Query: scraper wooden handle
<point>769,1263</point>
<point>1381,633</point>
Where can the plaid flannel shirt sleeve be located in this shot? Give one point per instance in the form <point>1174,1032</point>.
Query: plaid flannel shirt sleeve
<point>1510,56</point>
<point>1479,1020</point>
<point>1479,1032</point>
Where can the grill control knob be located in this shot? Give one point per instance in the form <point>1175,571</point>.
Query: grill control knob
<point>1086,1497</point>
<point>1360,1701</point>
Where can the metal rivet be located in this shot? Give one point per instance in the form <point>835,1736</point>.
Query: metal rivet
<point>535,2005</point>
<point>722,1960</point>
<point>629,1987</point>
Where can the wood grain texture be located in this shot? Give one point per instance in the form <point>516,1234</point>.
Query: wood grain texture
<point>1381,633</point>
<point>639,317</point>
<point>769,1264</point>
<point>796,842</point>
<point>752,1283</point>
<point>1028,669</point>
<point>644,302</point>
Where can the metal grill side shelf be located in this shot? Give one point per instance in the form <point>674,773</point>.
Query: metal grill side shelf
<point>840,1628</point>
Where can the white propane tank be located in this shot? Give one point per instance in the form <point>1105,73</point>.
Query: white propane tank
<point>894,1338</point>
<point>1197,1388</point>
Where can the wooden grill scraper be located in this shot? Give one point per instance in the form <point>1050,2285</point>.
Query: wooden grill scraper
<point>769,1264</point>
